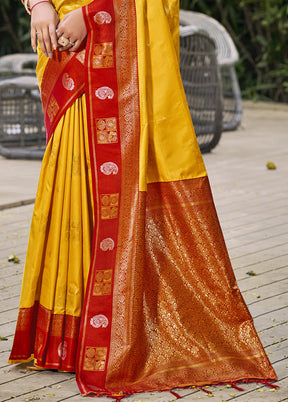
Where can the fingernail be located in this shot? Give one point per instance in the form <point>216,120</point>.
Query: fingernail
<point>50,55</point>
<point>54,47</point>
<point>46,54</point>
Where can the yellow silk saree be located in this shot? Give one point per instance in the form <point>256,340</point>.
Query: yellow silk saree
<point>127,278</point>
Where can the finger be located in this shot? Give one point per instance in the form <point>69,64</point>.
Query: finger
<point>33,39</point>
<point>64,48</point>
<point>53,36</point>
<point>61,26</point>
<point>47,41</point>
<point>59,32</point>
<point>74,47</point>
<point>42,43</point>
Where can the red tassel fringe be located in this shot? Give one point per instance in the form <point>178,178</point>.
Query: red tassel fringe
<point>265,382</point>
<point>175,394</point>
<point>204,390</point>
<point>234,385</point>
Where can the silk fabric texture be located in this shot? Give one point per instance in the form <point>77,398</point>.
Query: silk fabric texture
<point>136,253</point>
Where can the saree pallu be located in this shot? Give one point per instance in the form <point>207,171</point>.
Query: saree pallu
<point>127,278</point>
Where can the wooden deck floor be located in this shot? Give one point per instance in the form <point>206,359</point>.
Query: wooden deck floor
<point>252,206</point>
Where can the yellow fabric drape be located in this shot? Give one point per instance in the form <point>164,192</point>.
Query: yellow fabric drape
<point>162,157</point>
<point>171,8</point>
<point>59,249</point>
<point>163,106</point>
<point>64,198</point>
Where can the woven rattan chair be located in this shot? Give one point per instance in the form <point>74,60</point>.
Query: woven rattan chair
<point>22,132</point>
<point>202,84</point>
<point>18,64</point>
<point>227,56</point>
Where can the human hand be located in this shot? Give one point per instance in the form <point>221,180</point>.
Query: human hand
<point>44,21</point>
<point>72,28</point>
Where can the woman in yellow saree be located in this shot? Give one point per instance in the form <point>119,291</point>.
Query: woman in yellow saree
<point>127,278</point>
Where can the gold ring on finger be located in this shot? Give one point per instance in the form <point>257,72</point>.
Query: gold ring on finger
<point>63,41</point>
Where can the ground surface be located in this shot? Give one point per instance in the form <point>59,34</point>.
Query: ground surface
<point>252,206</point>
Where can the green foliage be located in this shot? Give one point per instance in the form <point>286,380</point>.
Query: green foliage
<point>14,28</point>
<point>259,29</point>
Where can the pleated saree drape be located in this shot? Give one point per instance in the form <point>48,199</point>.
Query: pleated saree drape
<point>127,278</point>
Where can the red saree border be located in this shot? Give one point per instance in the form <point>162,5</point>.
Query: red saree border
<point>133,201</point>
<point>24,339</point>
<point>51,339</point>
<point>62,83</point>
<point>105,156</point>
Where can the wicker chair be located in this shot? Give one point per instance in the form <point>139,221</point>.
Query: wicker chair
<point>18,64</point>
<point>21,116</point>
<point>227,56</point>
<point>202,84</point>
<point>22,131</point>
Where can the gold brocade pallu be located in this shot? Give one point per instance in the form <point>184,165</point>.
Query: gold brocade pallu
<point>127,278</point>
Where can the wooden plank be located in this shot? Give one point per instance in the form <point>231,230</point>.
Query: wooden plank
<point>272,319</point>
<point>269,291</point>
<point>260,268</point>
<point>230,221</point>
<point>10,269</point>
<point>4,356</point>
<point>258,246</point>
<point>15,372</point>
<point>258,281</point>
<point>272,336</point>
<point>7,316</point>
<point>269,304</point>
<point>15,228</point>
<point>5,346</point>
<point>244,242</point>
<point>7,330</point>
<point>251,209</point>
<point>62,390</point>
<point>148,396</point>
<point>278,351</point>
<point>259,255</point>
<point>11,303</point>
<point>20,387</point>
<point>14,246</point>
<point>253,228</point>
<point>12,280</point>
